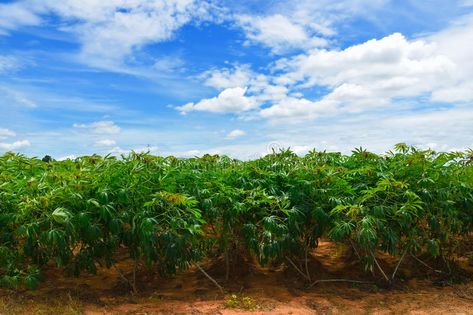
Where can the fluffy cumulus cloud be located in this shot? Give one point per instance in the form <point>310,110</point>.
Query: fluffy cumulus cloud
<point>296,109</point>
<point>231,100</point>
<point>393,63</point>
<point>368,75</point>
<point>235,134</point>
<point>241,90</point>
<point>375,74</point>
<point>13,146</point>
<point>258,85</point>
<point>100,127</point>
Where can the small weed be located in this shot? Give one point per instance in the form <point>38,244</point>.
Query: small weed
<point>241,302</point>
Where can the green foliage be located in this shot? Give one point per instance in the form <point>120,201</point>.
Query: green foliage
<point>168,213</point>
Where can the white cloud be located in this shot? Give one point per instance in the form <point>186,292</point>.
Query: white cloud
<point>168,64</point>
<point>5,133</point>
<point>100,127</point>
<point>105,143</point>
<point>301,149</point>
<point>278,33</point>
<point>302,24</point>
<point>15,145</point>
<point>391,73</point>
<point>16,97</point>
<point>230,100</point>
<point>67,157</point>
<point>113,36</point>
<point>109,31</point>
<point>16,14</point>
<point>235,134</point>
<point>452,42</point>
<point>392,63</point>
<point>228,78</point>
<point>365,76</point>
<point>264,91</point>
<point>359,78</point>
<point>8,63</point>
<point>462,92</point>
<point>241,76</point>
<point>148,149</point>
<point>449,129</point>
<point>190,153</point>
<point>323,16</point>
<point>295,109</point>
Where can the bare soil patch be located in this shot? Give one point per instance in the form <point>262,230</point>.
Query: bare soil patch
<point>251,290</point>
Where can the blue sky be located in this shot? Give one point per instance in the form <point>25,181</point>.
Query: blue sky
<point>188,77</point>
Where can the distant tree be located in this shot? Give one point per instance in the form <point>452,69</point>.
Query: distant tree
<point>47,159</point>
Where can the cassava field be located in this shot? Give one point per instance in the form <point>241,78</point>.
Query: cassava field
<point>326,233</point>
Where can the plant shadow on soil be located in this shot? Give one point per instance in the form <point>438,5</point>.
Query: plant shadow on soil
<point>251,289</point>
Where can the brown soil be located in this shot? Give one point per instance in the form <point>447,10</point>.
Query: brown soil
<point>254,291</point>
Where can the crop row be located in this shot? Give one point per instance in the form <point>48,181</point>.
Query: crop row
<point>170,213</point>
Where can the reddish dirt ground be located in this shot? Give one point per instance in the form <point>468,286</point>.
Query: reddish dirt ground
<point>256,291</point>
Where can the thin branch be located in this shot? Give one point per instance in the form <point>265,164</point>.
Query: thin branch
<point>398,264</point>
<point>227,265</point>
<point>356,251</point>
<point>135,266</point>
<point>124,278</point>
<point>423,263</point>
<point>307,264</point>
<point>297,268</point>
<point>209,277</point>
<point>340,280</point>
<point>379,267</point>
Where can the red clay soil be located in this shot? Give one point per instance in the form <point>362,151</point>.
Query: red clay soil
<point>255,291</point>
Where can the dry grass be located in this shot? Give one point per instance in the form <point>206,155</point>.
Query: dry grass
<point>15,305</point>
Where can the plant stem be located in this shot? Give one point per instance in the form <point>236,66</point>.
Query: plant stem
<point>227,265</point>
<point>307,264</point>
<point>134,276</point>
<point>425,264</point>
<point>379,267</point>
<point>124,278</point>
<point>398,264</point>
<point>356,251</point>
<point>210,278</point>
<point>297,268</point>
